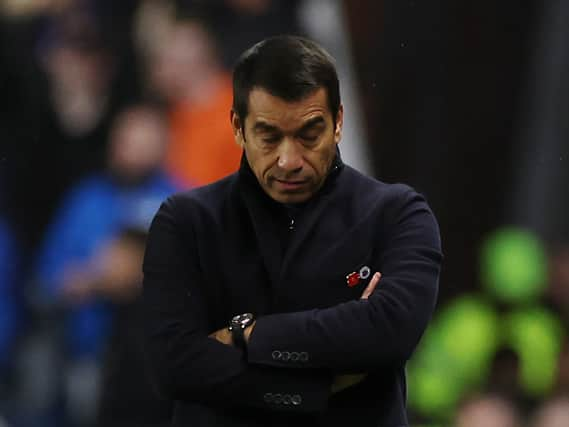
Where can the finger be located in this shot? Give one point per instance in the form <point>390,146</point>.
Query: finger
<point>371,285</point>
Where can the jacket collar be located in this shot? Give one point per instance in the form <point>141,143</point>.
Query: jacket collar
<point>268,215</point>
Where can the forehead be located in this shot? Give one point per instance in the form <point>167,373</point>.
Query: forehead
<point>264,107</point>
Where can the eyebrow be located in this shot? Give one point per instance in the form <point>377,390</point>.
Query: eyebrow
<point>266,127</point>
<point>313,122</point>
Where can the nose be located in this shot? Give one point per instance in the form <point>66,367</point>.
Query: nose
<point>290,156</point>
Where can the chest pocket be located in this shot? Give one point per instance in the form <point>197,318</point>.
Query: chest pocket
<point>340,274</point>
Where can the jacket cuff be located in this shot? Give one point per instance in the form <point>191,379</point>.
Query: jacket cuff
<point>262,351</point>
<point>292,392</point>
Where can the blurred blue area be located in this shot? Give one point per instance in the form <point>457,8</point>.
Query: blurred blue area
<point>11,304</point>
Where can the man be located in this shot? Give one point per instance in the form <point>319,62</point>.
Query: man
<point>289,246</point>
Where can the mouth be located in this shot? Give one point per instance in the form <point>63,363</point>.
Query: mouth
<point>290,185</point>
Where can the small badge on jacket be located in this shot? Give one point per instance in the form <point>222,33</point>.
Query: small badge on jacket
<point>354,278</point>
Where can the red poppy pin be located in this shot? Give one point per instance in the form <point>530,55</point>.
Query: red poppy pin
<point>354,278</point>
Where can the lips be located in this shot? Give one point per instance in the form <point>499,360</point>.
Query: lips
<point>290,184</point>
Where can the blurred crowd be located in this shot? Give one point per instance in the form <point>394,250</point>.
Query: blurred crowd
<point>110,106</point>
<point>498,356</point>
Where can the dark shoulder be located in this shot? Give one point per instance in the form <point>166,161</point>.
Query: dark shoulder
<point>369,191</point>
<point>394,205</point>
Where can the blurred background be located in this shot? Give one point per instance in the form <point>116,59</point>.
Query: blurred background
<point>109,106</point>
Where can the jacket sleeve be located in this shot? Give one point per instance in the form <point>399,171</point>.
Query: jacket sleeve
<point>366,335</point>
<point>186,363</point>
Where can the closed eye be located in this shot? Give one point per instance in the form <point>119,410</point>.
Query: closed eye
<point>272,139</point>
<point>309,138</point>
<point>312,129</point>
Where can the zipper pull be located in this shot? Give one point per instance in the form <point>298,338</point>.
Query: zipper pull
<point>291,224</point>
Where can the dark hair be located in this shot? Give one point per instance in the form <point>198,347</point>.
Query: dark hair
<point>289,67</point>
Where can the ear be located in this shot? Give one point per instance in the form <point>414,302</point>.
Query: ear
<point>237,127</point>
<point>339,124</point>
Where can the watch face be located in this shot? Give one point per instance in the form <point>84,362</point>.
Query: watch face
<point>242,320</point>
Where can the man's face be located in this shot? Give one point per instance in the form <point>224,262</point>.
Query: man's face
<point>290,146</point>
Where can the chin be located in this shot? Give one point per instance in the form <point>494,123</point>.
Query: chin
<point>292,198</point>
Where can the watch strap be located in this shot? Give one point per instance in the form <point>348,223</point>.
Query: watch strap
<point>238,335</point>
<point>237,328</point>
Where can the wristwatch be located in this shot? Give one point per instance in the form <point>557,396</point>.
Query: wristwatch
<point>237,327</point>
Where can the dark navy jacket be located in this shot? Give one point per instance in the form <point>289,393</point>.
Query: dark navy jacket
<point>228,248</point>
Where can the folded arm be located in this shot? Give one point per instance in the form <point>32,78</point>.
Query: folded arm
<point>365,335</point>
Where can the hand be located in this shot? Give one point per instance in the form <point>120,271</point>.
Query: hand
<point>371,285</point>
<point>119,267</point>
<point>223,336</point>
<point>114,272</point>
